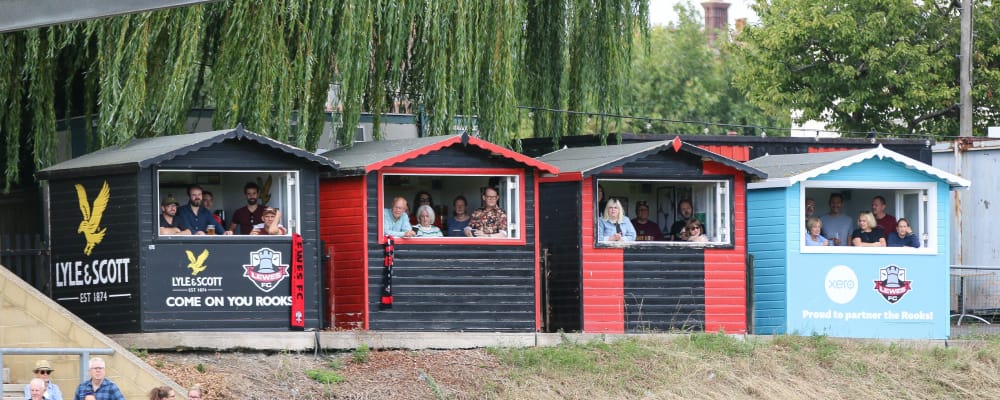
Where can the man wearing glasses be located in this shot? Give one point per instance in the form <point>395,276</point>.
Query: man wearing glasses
<point>490,220</point>
<point>98,384</point>
<point>43,370</point>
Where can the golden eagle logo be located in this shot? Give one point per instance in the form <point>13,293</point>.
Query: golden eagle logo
<point>90,226</point>
<point>197,265</point>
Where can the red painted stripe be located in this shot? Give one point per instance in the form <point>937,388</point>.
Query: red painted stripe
<point>340,200</point>
<point>738,153</point>
<point>829,149</point>
<point>725,269</point>
<point>603,276</point>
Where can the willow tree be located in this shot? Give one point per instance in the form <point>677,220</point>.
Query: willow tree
<point>269,63</point>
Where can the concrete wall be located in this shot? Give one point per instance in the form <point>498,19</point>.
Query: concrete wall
<point>30,319</point>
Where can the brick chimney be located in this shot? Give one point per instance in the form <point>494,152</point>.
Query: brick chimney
<point>716,19</point>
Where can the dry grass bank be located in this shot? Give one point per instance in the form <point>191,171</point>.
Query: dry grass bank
<point>708,366</point>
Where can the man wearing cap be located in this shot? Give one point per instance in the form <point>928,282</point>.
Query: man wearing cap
<point>98,384</point>
<point>271,226</point>
<point>169,223</point>
<point>43,370</point>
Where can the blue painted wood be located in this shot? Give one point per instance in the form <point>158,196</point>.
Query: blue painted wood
<point>767,242</point>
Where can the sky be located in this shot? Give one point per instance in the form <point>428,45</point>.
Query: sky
<point>661,12</point>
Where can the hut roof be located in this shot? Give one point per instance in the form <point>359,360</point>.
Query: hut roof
<point>370,156</point>
<point>594,159</point>
<point>788,169</point>
<point>141,153</point>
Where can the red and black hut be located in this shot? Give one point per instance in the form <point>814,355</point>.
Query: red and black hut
<point>449,283</point>
<point>660,282</point>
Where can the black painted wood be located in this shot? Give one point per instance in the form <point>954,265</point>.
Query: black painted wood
<point>235,155</point>
<point>664,289</point>
<point>559,228</point>
<point>461,157</point>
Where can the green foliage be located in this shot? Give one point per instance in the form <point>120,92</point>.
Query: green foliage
<point>432,385</point>
<point>200,368</point>
<point>269,64</point>
<point>361,354</point>
<point>887,65</point>
<point>684,77</point>
<point>722,344</point>
<point>141,353</point>
<point>324,376</point>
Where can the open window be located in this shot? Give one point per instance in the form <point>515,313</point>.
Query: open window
<point>444,187</point>
<point>710,203</point>
<point>277,189</point>
<point>915,201</point>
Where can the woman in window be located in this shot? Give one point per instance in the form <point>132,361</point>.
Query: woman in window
<point>695,231</point>
<point>867,234</point>
<point>458,221</point>
<point>613,226</point>
<point>425,223</point>
<point>813,237</point>
<point>903,236</point>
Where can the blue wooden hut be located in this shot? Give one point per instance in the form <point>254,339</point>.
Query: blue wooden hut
<point>846,291</point>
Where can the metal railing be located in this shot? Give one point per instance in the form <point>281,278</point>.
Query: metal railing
<point>975,292</point>
<point>84,354</point>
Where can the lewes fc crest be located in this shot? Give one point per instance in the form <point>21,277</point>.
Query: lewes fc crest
<point>265,269</point>
<point>892,283</point>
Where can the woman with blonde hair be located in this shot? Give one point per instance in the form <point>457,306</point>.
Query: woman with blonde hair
<point>613,226</point>
<point>695,231</point>
<point>868,234</point>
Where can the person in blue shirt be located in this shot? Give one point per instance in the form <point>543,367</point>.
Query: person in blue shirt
<point>197,218</point>
<point>903,236</point>
<point>613,225</point>
<point>395,222</point>
<point>813,237</point>
<point>43,370</point>
<point>98,384</point>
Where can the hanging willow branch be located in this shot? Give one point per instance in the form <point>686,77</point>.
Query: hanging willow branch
<point>269,64</point>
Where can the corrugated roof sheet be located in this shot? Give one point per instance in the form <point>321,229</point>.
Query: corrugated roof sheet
<point>145,152</point>
<point>366,153</point>
<point>786,165</point>
<point>594,159</point>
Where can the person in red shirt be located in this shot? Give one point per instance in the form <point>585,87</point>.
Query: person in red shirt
<point>885,221</point>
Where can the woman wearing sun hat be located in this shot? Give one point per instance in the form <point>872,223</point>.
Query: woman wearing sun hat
<point>43,370</point>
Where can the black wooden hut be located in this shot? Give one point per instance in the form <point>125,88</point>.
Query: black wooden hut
<point>113,268</point>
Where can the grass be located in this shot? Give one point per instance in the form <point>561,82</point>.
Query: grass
<point>708,365</point>
<point>361,354</point>
<point>324,376</point>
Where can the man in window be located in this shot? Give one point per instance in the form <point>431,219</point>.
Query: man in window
<point>885,221</point>
<point>490,220</point>
<point>249,215</point>
<point>169,223</point>
<point>271,224</point>
<point>395,222</point>
<point>196,217</point>
<point>837,227</point>
<point>684,212</point>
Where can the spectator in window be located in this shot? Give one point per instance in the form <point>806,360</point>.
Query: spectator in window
<point>208,199</point>
<point>425,226</point>
<point>195,216</point>
<point>43,372</point>
<point>868,234</point>
<point>244,218</point>
<point>695,231</point>
<point>685,210</point>
<point>836,225</point>
<point>458,221</point>
<point>810,207</point>
<point>613,226</point>
<point>271,225</point>
<point>903,236</point>
<point>490,220</point>
<point>169,223</point>
<point>814,237</point>
<point>885,221</point>
<point>601,201</point>
<point>424,198</point>
<point>645,229</point>
<point>395,222</point>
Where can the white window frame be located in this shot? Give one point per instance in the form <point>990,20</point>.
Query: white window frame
<point>718,221</point>
<point>927,215</point>
<point>512,190</point>
<point>285,194</point>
